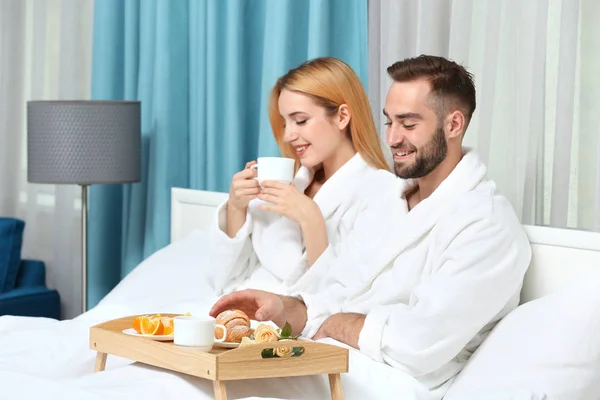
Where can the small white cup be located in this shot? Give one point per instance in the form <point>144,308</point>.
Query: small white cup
<point>197,332</point>
<point>275,169</point>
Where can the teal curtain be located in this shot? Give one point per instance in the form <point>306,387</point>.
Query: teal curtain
<point>203,70</point>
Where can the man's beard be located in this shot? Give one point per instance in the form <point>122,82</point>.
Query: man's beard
<point>428,157</point>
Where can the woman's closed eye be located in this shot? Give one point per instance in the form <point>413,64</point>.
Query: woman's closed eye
<point>302,122</point>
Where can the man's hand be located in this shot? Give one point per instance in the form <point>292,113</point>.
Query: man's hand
<point>265,306</point>
<point>257,304</point>
<point>343,327</point>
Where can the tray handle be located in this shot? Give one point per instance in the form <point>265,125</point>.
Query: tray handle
<point>295,349</point>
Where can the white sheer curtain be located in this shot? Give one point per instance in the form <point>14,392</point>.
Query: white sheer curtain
<point>536,65</point>
<point>45,53</point>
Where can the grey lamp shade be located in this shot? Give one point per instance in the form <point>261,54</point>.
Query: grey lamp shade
<point>83,142</point>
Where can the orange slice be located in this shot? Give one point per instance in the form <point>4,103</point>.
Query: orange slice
<point>151,326</point>
<point>154,324</point>
<point>168,326</point>
<point>136,324</point>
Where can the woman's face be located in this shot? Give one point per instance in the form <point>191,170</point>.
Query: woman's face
<point>315,136</point>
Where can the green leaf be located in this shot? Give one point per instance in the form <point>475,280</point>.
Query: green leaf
<point>268,353</point>
<point>298,351</point>
<point>286,331</point>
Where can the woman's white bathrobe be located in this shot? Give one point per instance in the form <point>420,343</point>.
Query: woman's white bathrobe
<point>268,251</point>
<point>445,273</point>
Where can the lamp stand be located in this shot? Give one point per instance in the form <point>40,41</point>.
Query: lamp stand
<point>84,215</point>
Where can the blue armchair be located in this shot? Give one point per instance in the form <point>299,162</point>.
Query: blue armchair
<point>23,290</point>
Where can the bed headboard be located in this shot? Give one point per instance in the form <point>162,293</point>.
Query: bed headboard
<point>192,209</point>
<point>559,255</point>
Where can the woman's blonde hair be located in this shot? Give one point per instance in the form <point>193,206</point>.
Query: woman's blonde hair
<point>330,82</point>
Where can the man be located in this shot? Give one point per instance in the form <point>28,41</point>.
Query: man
<point>449,272</point>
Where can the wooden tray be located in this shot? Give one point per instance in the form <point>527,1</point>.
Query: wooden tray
<point>219,365</point>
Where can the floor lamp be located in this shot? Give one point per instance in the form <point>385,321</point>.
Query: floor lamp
<point>83,143</point>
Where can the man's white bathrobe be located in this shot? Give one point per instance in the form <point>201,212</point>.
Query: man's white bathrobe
<point>446,272</point>
<point>268,251</point>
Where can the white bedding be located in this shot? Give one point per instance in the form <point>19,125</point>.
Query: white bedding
<point>51,359</point>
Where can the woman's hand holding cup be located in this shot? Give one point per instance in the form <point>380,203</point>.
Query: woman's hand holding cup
<point>244,188</point>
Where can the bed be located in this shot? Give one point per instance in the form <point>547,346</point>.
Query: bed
<point>548,348</point>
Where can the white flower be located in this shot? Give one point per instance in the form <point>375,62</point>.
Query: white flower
<point>284,351</point>
<point>265,333</point>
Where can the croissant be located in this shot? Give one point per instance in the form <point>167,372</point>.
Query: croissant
<point>237,324</point>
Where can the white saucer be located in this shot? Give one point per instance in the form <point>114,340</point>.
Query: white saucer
<point>160,338</point>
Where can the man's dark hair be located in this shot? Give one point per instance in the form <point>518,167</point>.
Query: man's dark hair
<point>451,84</point>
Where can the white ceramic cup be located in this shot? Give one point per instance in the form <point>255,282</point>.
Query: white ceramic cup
<point>197,332</point>
<point>275,169</point>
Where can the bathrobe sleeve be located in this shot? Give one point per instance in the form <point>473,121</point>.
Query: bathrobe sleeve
<point>229,258</point>
<point>476,275</point>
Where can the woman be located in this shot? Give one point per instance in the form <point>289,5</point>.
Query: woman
<point>269,237</point>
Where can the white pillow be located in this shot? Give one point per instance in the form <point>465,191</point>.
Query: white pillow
<point>176,274</point>
<point>548,346</point>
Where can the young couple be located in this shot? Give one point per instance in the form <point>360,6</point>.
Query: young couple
<point>412,268</point>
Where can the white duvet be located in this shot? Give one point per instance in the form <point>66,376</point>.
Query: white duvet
<point>42,358</point>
